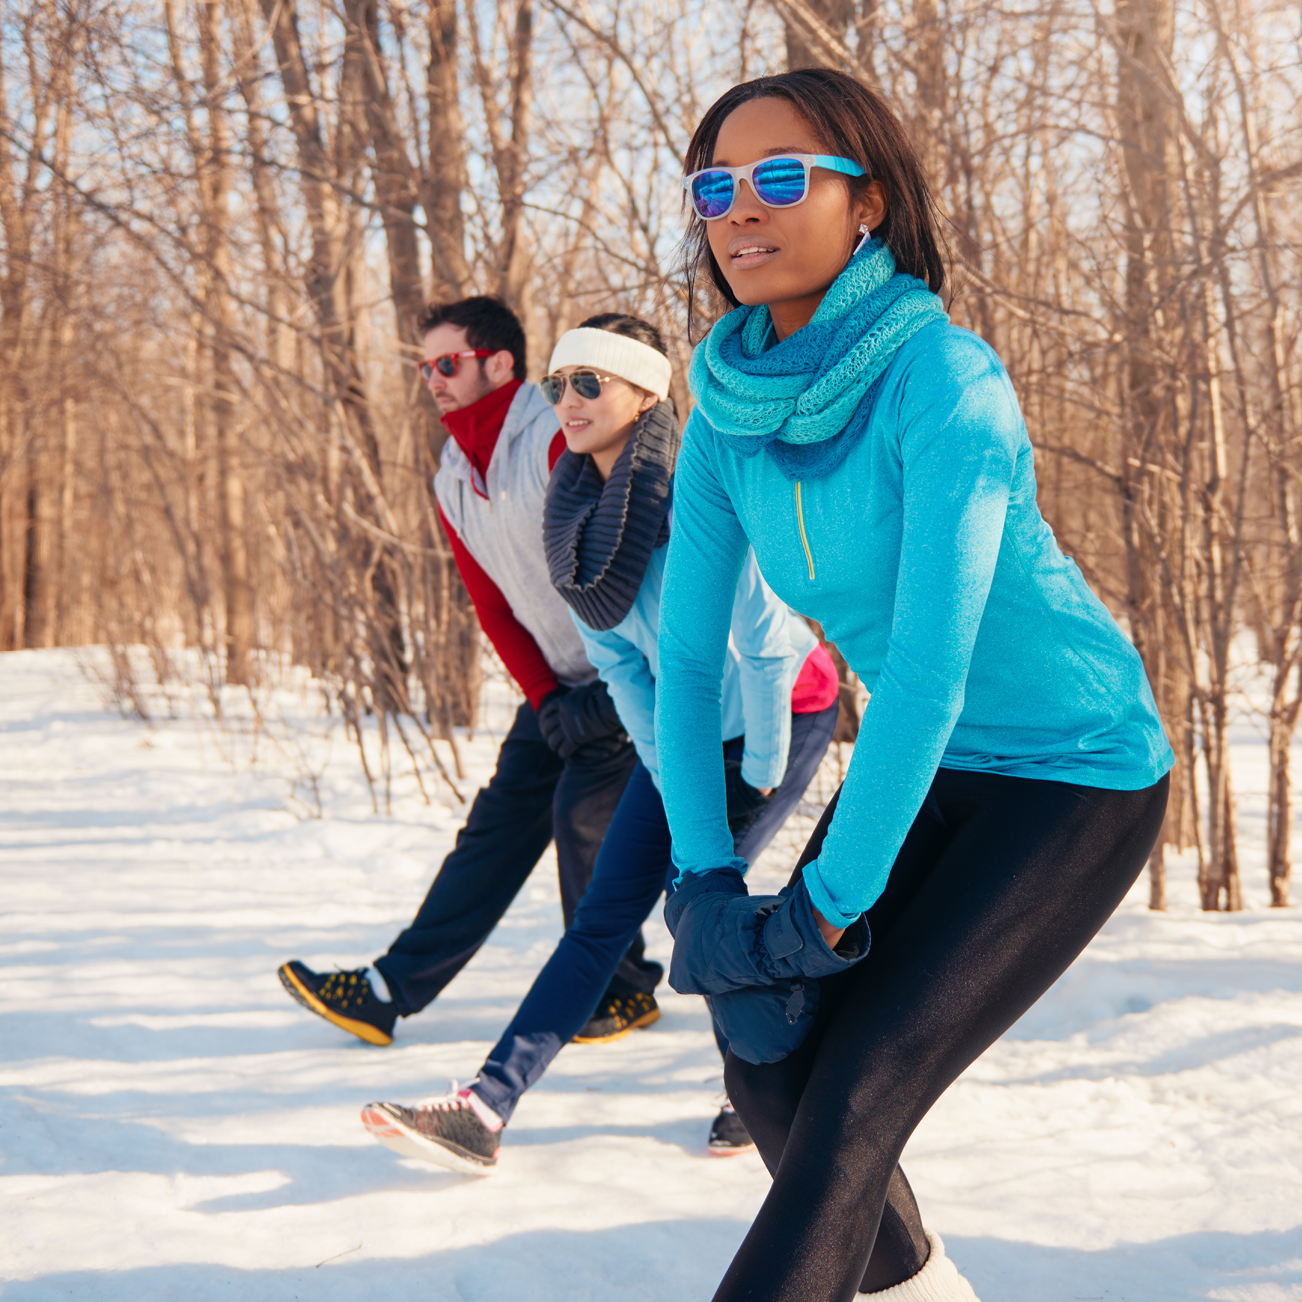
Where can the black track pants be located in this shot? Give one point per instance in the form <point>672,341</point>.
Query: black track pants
<point>999,885</point>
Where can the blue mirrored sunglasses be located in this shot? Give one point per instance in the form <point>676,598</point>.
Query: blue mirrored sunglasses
<point>779,182</point>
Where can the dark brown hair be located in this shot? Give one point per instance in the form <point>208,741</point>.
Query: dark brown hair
<point>488,323</point>
<point>851,121</point>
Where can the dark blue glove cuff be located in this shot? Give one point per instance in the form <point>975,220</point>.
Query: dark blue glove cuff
<point>725,881</point>
<point>793,945</point>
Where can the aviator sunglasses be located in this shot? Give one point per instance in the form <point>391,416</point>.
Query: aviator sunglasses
<point>447,364</point>
<point>779,182</point>
<point>586,383</point>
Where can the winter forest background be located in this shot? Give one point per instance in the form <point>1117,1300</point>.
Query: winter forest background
<point>221,217</point>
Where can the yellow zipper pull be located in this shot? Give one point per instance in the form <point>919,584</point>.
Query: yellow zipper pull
<point>804,541</point>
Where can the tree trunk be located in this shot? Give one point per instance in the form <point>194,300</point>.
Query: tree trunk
<point>38,578</point>
<point>1279,810</point>
<point>514,281</point>
<point>928,59</point>
<point>835,15</point>
<point>445,172</point>
<point>511,278</point>
<point>71,620</point>
<point>18,203</point>
<point>392,170</point>
<point>43,585</point>
<point>1144,36</point>
<point>1218,883</point>
<point>1157,874</point>
<point>240,638</point>
<point>271,230</point>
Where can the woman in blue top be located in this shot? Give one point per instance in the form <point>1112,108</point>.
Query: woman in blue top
<point>1008,781</point>
<point>605,528</point>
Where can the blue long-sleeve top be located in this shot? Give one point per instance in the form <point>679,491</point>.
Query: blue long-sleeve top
<point>928,564</point>
<point>765,645</point>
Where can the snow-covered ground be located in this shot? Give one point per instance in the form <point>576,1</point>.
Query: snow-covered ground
<point>172,1126</point>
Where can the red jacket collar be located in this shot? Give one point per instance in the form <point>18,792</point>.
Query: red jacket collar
<point>477,427</point>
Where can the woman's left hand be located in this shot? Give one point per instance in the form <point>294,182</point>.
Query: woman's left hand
<point>829,933</point>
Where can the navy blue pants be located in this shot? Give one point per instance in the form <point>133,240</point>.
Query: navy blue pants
<point>632,870</point>
<point>532,798</point>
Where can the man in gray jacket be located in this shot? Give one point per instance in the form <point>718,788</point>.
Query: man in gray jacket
<point>563,765</point>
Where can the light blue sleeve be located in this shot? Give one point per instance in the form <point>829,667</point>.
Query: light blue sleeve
<point>767,637</point>
<point>706,550</point>
<point>624,670</point>
<point>959,436</point>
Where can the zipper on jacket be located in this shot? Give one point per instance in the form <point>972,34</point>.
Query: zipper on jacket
<point>804,541</point>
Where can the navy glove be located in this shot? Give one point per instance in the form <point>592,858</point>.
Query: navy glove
<point>574,717</point>
<point>744,801</point>
<point>756,959</point>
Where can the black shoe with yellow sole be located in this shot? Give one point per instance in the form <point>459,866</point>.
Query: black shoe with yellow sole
<point>616,1016</point>
<point>344,998</point>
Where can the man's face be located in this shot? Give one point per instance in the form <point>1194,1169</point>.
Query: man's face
<point>473,379</point>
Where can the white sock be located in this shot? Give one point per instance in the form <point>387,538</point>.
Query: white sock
<point>491,1121</point>
<point>376,978</point>
<point>937,1281</point>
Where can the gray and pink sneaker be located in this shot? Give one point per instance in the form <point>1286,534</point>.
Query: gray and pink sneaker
<point>456,1130</point>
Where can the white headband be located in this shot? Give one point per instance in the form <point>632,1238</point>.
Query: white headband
<point>614,354</point>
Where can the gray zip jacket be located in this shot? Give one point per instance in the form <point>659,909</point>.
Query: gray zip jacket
<point>501,526</point>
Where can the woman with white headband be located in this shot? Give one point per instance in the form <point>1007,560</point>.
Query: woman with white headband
<point>606,529</point>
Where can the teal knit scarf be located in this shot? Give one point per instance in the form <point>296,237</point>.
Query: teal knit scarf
<point>807,399</point>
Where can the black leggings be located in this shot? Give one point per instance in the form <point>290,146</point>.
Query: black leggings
<point>999,885</point>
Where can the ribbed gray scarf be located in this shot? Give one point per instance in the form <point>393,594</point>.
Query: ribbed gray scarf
<point>600,536</point>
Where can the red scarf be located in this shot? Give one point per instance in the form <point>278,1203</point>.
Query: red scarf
<point>477,427</point>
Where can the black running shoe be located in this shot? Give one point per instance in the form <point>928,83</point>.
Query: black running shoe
<point>616,1016</point>
<point>446,1131</point>
<point>344,998</point>
<point>728,1136</point>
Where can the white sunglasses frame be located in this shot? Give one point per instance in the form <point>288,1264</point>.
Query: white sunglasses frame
<point>829,162</point>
